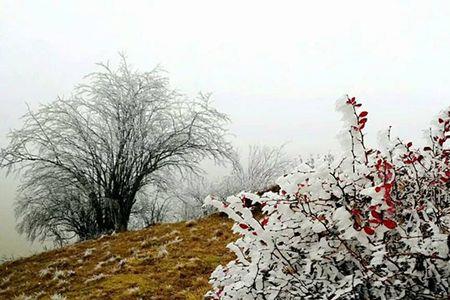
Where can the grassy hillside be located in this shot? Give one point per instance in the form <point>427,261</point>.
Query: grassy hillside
<point>167,261</point>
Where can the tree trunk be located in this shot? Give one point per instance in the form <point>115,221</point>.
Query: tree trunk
<point>122,225</point>
<point>123,216</point>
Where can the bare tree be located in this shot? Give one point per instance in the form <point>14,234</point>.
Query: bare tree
<point>191,192</point>
<point>119,131</point>
<point>263,166</point>
<point>53,206</point>
<point>150,208</point>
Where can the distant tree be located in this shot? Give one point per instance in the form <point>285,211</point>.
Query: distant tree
<point>119,131</point>
<point>151,208</point>
<point>191,193</point>
<point>262,168</point>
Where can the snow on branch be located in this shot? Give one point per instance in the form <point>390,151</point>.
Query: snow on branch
<point>370,224</point>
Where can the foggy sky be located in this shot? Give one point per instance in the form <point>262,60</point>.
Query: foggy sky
<point>276,67</point>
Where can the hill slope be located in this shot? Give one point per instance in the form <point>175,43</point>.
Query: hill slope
<point>167,261</point>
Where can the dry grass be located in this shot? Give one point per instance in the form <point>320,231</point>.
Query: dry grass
<point>167,261</point>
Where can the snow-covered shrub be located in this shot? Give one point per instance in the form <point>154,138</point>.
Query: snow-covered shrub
<point>370,224</point>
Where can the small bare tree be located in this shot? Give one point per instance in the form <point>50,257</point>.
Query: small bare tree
<point>191,192</point>
<point>150,208</point>
<point>263,166</point>
<point>119,131</point>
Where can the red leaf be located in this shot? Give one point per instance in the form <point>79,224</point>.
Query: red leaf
<point>440,120</point>
<point>377,189</point>
<point>264,222</point>
<point>427,149</point>
<point>355,211</point>
<point>375,221</point>
<point>390,203</point>
<point>373,207</point>
<point>369,230</point>
<point>363,120</point>
<point>389,224</point>
<point>376,215</point>
<point>363,114</point>
<point>243,226</point>
<point>409,144</point>
<point>391,210</point>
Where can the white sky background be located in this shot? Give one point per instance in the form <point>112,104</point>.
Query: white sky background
<point>276,67</point>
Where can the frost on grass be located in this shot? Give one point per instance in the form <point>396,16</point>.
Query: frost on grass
<point>191,223</point>
<point>95,278</point>
<point>122,263</point>
<point>45,272</point>
<point>4,290</point>
<point>176,240</point>
<point>100,265</point>
<point>88,252</point>
<point>213,239</point>
<point>133,290</point>
<point>57,297</point>
<point>59,274</point>
<point>62,282</point>
<point>6,280</point>
<point>162,251</point>
<point>113,259</point>
<point>23,297</point>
